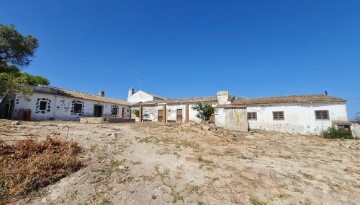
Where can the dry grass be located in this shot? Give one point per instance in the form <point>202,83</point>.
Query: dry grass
<point>28,165</point>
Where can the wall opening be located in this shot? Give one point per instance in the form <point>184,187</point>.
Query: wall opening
<point>98,110</point>
<point>179,115</point>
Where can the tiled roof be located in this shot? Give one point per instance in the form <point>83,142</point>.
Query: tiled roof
<point>341,122</point>
<point>181,100</point>
<point>288,99</point>
<point>231,106</point>
<point>76,94</point>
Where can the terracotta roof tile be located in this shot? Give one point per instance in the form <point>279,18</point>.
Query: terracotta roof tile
<point>76,94</point>
<point>288,99</point>
<point>181,100</point>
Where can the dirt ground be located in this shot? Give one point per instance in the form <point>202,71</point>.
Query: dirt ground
<point>153,163</point>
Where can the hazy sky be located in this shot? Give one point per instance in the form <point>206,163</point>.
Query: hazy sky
<point>195,48</point>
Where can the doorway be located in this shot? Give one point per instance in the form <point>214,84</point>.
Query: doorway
<point>98,111</point>
<point>160,115</point>
<point>179,115</point>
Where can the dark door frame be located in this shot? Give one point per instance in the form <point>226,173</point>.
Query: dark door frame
<point>96,114</point>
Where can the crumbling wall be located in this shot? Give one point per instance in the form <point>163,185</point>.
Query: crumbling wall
<point>232,119</point>
<point>355,127</point>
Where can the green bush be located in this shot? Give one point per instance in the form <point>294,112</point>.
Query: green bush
<point>205,111</point>
<point>333,133</point>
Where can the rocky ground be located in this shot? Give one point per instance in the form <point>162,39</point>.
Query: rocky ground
<point>153,163</point>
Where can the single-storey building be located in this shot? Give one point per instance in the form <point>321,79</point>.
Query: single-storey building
<point>301,114</point>
<point>51,103</point>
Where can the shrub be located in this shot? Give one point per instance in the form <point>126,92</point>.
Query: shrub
<point>136,113</point>
<point>205,111</point>
<point>333,133</point>
<point>28,165</point>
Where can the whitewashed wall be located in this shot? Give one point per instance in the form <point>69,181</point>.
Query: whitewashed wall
<point>299,118</point>
<point>151,112</point>
<point>232,119</point>
<point>171,112</point>
<point>140,96</point>
<point>60,108</point>
<point>355,128</point>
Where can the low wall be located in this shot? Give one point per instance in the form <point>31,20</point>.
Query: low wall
<point>92,120</point>
<point>120,120</point>
<point>99,120</point>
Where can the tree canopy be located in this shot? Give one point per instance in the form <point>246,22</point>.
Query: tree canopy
<point>204,111</point>
<point>16,51</point>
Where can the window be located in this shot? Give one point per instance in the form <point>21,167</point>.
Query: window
<point>179,112</point>
<point>78,108</point>
<point>278,115</point>
<point>114,110</point>
<point>251,116</point>
<point>322,114</point>
<point>43,105</point>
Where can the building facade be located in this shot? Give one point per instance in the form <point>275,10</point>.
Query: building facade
<point>50,103</point>
<point>300,114</point>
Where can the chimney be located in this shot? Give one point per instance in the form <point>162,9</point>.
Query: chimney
<point>130,92</point>
<point>102,93</point>
<point>223,97</point>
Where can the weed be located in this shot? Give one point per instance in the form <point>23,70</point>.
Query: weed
<point>195,188</point>
<point>212,179</point>
<point>105,202</point>
<point>242,156</point>
<point>255,201</point>
<point>285,156</point>
<point>334,132</point>
<point>206,161</point>
<point>29,165</point>
<point>3,188</point>
<point>176,195</point>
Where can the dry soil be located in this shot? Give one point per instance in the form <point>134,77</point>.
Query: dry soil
<point>153,163</point>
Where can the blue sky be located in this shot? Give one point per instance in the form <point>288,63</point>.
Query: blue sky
<point>195,48</point>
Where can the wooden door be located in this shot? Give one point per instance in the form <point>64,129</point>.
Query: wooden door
<point>160,115</point>
<point>179,115</point>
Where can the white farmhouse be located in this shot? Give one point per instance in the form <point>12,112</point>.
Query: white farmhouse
<point>51,103</point>
<point>301,114</point>
<point>141,96</point>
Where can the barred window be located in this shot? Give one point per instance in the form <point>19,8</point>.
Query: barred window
<point>78,107</point>
<point>114,110</point>
<point>278,115</point>
<point>322,114</point>
<point>251,116</point>
<point>43,105</point>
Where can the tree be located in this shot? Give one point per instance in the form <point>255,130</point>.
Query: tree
<point>205,111</point>
<point>16,51</point>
